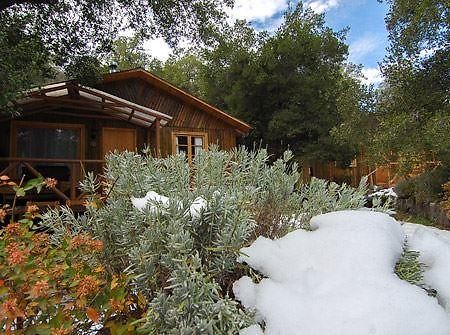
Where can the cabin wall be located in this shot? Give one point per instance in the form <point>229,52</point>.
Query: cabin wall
<point>92,131</point>
<point>186,118</point>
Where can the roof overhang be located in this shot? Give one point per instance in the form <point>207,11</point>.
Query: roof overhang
<point>73,95</point>
<point>239,126</point>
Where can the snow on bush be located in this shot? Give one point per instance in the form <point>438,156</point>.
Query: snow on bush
<point>338,279</point>
<point>434,247</point>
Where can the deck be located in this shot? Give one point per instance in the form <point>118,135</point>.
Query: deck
<point>67,172</point>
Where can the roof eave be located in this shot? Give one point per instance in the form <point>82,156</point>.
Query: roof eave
<point>240,126</point>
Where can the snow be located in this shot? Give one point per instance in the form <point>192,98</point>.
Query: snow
<point>434,247</point>
<point>385,192</point>
<point>154,199</point>
<point>339,279</point>
<point>197,206</point>
<point>154,202</point>
<point>252,330</point>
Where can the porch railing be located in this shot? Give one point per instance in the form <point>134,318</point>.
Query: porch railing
<point>66,190</point>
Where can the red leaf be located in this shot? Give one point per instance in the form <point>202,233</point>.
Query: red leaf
<point>92,314</point>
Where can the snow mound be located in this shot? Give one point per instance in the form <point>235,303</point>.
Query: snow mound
<point>337,280</point>
<point>434,247</point>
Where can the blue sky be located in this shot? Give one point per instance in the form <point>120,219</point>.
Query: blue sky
<point>367,36</point>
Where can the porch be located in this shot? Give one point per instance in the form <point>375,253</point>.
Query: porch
<point>67,172</point>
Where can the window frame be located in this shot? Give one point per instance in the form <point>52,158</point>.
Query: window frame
<point>31,124</point>
<point>190,147</point>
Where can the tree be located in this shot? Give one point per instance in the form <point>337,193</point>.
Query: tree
<point>24,59</point>
<point>185,71</point>
<point>66,30</point>
<point>228,65</point>
<point>128,53</point>
<point>286,85</point>
<point>414,104</point>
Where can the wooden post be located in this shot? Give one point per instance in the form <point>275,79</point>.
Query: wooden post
<point>37,174</point>
<point>158,137</point>
<point>73,181</point>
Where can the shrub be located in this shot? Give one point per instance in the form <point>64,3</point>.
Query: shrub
<point>426,187</point>
<point>57,289</point>
<point>182,260</point>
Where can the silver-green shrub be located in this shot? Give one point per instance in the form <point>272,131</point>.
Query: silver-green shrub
<point>185,264</point>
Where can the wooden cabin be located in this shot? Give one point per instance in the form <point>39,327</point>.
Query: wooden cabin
<point>66,128</point>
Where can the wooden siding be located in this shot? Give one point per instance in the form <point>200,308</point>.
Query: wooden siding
<point>92,134</point>
<point>332,172</point>
<point>186,118</point>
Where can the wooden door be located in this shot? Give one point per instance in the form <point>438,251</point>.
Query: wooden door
<point>118,139</point>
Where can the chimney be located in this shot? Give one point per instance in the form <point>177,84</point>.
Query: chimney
<point>113,67</point>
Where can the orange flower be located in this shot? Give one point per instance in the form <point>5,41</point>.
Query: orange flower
<point>17,253</point>
<point>2,214</point>
<point>50,182</point>
<point>96,245</point>
<point>11,310</point>
<point>40,239</point>
<point>13,229</point>
<point>17,257</point>
<point>79,240</point>
<point>40,289</point>
<point>61,331</point>
<point>86,241</point>
<point>32,210</point>
<point>116,305</point>
<point>57,271</point>
<point>88,285</point>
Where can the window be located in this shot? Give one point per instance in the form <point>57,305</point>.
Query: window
<point>190,144</point>
<point>36,140</point>
<point>53,141</point>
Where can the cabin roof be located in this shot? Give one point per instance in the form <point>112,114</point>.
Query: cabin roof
<point>240,126</point>
<point>72,94</point>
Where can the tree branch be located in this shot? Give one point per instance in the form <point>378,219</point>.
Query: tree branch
<point>8,3</point>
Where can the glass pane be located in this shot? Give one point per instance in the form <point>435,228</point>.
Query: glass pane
<point>196,150</point>
<point>182,140</point>
<point>48,142</point>
<point>182,149</point>
<point>197,141</point>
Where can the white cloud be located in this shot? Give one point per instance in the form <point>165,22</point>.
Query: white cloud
<point>259,10</point>
<point>158,48</point>
<point>321,6</point>
<point>372,76</point>
<point>362,47</point>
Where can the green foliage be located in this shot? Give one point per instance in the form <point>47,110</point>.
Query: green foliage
<point>414,109</point>
<point>185,71</point>
<point>426,187</point>
<point>409,268</point>
<point>47,288</point>
<point>195,305</point>
<point>287,85</point>
<point>183,263</point>
<point>416,25</point>
<point>24,60</point>
<point>128,53</point>
<point>85,69</point>
<point>409,115</point>
<point>36,35</point>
